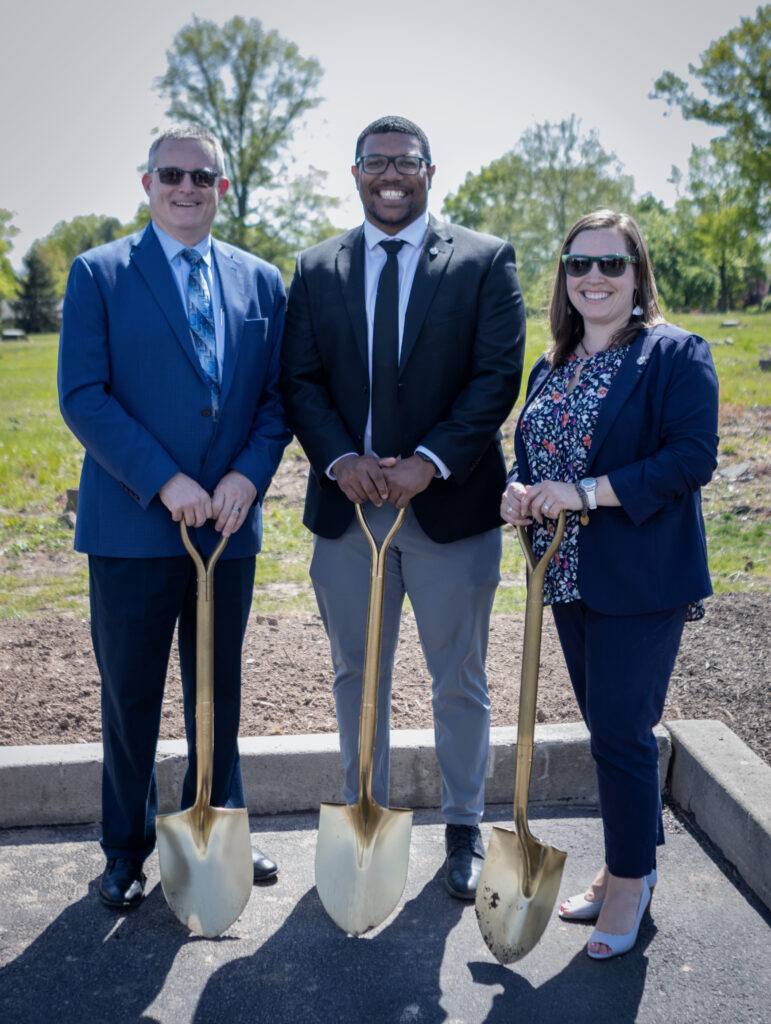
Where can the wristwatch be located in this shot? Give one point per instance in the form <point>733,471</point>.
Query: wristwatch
<point>589,486</point>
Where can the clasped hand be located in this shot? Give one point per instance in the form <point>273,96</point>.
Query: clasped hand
<point>521,504</point>
<point>232,498</point>
<point>366,478</point>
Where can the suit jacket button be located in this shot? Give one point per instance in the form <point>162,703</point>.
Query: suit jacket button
<point>206,412</point>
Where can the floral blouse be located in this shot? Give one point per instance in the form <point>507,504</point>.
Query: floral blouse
<point>557,431</point>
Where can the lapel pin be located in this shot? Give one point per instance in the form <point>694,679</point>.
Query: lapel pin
<point>642,360</point>
<point>433,251</point>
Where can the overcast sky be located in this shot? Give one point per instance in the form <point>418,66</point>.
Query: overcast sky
<point>78,102</point>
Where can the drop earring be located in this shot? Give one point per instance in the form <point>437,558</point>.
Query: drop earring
<point>637,309</point>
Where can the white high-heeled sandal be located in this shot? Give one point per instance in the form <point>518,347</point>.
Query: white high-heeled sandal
<point>579,908</point>
<point>618,944</point>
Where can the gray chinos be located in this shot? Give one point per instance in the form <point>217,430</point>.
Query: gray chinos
<point>451,588</point>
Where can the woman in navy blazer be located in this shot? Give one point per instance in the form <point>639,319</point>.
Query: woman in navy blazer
<point>619,428</point>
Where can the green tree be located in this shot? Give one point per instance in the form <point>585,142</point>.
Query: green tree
<point>36,308</point>
<point>734,93</point>
<point>532,194</point>
<point>7,275</point>
<point>706,251</point>
<point>684,279</point>
<point>70,238</point>
<point>723,230</point>
<point>252,89</point>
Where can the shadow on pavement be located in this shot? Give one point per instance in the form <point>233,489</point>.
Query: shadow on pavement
<point>306,972</point>
<point>584,992</point>
<point>91,965</point>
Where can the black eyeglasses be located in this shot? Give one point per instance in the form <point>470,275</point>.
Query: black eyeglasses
<point>612,265</point>
<point>176,175</point>
<point>376,163</point>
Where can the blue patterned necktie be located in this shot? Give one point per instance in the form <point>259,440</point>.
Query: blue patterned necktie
<point>201,317</point>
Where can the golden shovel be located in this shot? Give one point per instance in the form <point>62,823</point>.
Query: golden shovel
<point>363,850</point>
<point>521,876</point>
<point>204,852</point>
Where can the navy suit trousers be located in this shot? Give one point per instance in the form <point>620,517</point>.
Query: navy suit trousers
<point>135,605</point>
<point>620,667</point>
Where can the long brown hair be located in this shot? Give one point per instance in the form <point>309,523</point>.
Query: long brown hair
<point>567,324</point>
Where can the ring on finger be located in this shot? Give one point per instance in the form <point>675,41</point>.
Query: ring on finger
<point>546,506</point>
<point>236,508</point>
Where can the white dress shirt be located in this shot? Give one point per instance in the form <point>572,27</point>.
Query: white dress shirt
<point>374,260</point>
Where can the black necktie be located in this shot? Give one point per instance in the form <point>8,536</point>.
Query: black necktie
<point>386,439</point>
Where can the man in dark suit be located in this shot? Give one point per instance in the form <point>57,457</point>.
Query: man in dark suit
<point>402,358</point>
<point>168,375</point>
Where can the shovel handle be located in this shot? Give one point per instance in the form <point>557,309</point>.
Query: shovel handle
<point>531,661</point>
<point>205,569</point>
<point>204,668</point>
<point>369,690</point>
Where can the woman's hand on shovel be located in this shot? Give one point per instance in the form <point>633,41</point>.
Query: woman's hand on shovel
<point>511,505</point>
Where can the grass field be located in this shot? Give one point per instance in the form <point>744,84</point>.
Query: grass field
<point>40,460</point>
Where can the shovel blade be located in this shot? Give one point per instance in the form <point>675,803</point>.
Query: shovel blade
<point>361,863</point>
<point>206,866</point>
<point>516,893</point>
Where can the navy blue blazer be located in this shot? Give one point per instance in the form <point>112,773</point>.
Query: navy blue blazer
<point>656,439</point>
<point>132,390</point>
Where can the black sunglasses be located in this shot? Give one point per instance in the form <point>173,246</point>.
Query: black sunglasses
<point>376,163</point>
<point>612,265</point>
<point>176,175</point>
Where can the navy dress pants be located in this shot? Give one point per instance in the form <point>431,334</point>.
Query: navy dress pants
<point>620,667</point>
<point>135,606</point>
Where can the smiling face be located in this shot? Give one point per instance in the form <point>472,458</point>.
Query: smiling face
<point>605,303</point>
<point>184,211</point>
<point>392,200</point>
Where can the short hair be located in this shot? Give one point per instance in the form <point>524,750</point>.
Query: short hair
<point>567,324</point>
<point>188,131</point>
<point>393,123</point>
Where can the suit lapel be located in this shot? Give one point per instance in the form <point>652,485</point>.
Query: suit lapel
<point>434,257</point>
<point>624,383</point>
<point>149,259</point>
<point>537,384</point>
<point>349,266</point>
<point>234,289</point>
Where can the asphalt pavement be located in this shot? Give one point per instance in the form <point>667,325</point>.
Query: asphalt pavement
<point>703,955</point>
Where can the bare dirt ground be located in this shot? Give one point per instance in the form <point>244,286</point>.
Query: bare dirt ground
<point>50,685</point>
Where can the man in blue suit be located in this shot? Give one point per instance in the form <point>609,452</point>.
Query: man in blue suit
<point>168,376</point>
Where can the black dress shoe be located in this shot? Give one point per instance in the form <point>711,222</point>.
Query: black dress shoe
<point>465,857</point>
<point>123,883</point>
<point>264,867</point>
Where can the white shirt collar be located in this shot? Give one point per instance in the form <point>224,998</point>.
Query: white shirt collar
<point>413,234</point>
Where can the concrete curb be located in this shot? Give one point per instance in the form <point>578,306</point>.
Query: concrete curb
<point>61,785</point>
<point>711,774</point>
<point>726,788</point>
